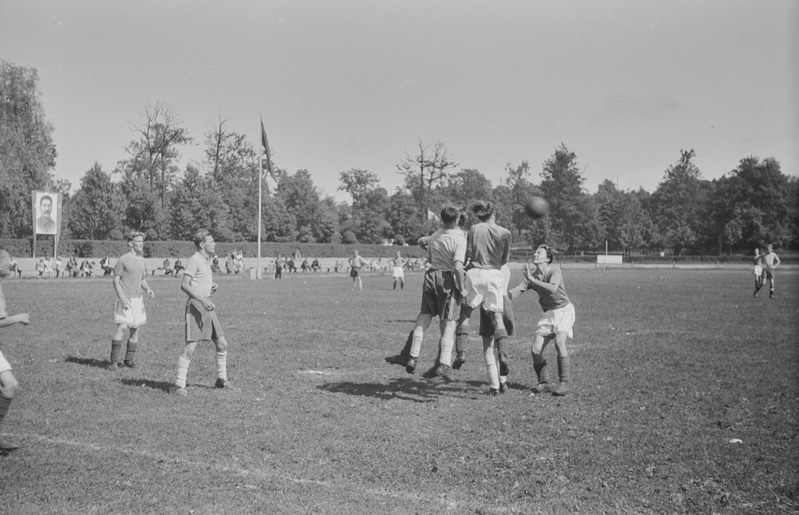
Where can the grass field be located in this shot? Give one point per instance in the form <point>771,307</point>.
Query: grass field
<point>670,368</point>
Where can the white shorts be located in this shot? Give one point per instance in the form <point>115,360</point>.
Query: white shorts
<point>757,270</point>
<point>557,321</point>
<point>134,317</point>
<point>4,364</point>
<point>399,272</point>
<point>484,286</point>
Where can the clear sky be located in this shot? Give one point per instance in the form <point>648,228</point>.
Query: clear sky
<point>350,84</point>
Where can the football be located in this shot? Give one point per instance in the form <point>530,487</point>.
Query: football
<point>536,207</point>
<point>5,264</point>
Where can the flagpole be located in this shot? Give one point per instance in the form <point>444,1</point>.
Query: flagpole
<point>260,181</point>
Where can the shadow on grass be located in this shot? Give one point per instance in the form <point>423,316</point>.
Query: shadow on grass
<point>400,321</point>
<point>155,385</point>
<point>402,389</point>
<point>89,362</point>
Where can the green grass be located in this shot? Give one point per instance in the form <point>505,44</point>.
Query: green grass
<point>669,367</point>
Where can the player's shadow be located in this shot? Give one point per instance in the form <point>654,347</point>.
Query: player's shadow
<point>88,362</point>
<point>406,389</point>
<point>155,385</point>
<point>400,321</point>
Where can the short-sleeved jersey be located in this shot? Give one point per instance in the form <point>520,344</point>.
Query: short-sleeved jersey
<point>547,300</point>
<point>201,275</point>
<point>488,246</point>
<point>446,247</point>
<point>131,270</point>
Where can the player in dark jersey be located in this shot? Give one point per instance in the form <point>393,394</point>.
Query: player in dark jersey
<point>557,320</point>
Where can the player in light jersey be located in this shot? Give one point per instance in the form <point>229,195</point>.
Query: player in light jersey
<point>772,261</point>
<point>398,270</point>
<point>8,383</point>
<point>356,263</point>
<point>130,281</point>
<point>487,251</point>
<point>557,321</point>
<point>757,268</point>
<point>443,282</point>
<point>202,322</point>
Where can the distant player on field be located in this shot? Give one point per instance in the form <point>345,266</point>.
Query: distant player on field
<point>398,270</point>
<point>757,269</point>
<point>130,281</point>
<point>356,263</point>
<point>771,264</point>
<point>557,321</point>
<point>201,317</point>
<point>488,250</point>
<point>8,383</point>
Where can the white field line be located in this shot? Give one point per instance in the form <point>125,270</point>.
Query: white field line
<point>457,507</point>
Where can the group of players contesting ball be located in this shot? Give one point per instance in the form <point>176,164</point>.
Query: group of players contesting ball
<point>466,269</point>
<point>469,269</point>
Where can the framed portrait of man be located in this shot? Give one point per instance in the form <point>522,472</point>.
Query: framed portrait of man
<point>46,212</point>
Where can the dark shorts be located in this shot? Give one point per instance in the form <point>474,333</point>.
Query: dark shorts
<point>769,274</point>
<point>355,271</point>
<point>201,324</point>
<point>486,325</point>
<point>440,295</point>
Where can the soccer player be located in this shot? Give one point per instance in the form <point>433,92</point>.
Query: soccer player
<point>441,295</point>
<point>130,280</point>
<point>8,383</point>
<point>771,264</point>
<point>356,262</point>
<point>557,321</point>
<point>488,250</point>
<point>757,269</point>
<point>202,322</point>
<point>398,270</point>
<point>497,383</point>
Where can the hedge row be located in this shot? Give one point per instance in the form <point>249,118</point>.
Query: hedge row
<point>98,249</point>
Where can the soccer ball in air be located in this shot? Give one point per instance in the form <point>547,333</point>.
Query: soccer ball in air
<point>536,207</point>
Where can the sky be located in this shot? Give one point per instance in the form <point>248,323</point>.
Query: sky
<point>625,85</point>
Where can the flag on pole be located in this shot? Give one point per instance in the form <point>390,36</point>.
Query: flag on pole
<point>265,144</point>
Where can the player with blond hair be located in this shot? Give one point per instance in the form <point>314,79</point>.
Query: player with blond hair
<point>202,322</point>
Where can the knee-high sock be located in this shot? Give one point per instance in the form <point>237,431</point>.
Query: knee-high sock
<point>445,351</point>
<point>501,336</point>
<point>116,351</point>
<point>564,372</point>
<point>491,367</point>
<point>183,370</point>
<point>221,365</point>
<point>130,354</point>
<point>416,344</point>
<point>461,339</point>
<point>5,404</point>
<point>540,370</point>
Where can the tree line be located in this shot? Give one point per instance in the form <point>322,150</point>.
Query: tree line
<point>751,205</point>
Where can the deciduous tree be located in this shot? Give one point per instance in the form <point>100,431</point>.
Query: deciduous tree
<point>27,151</point>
